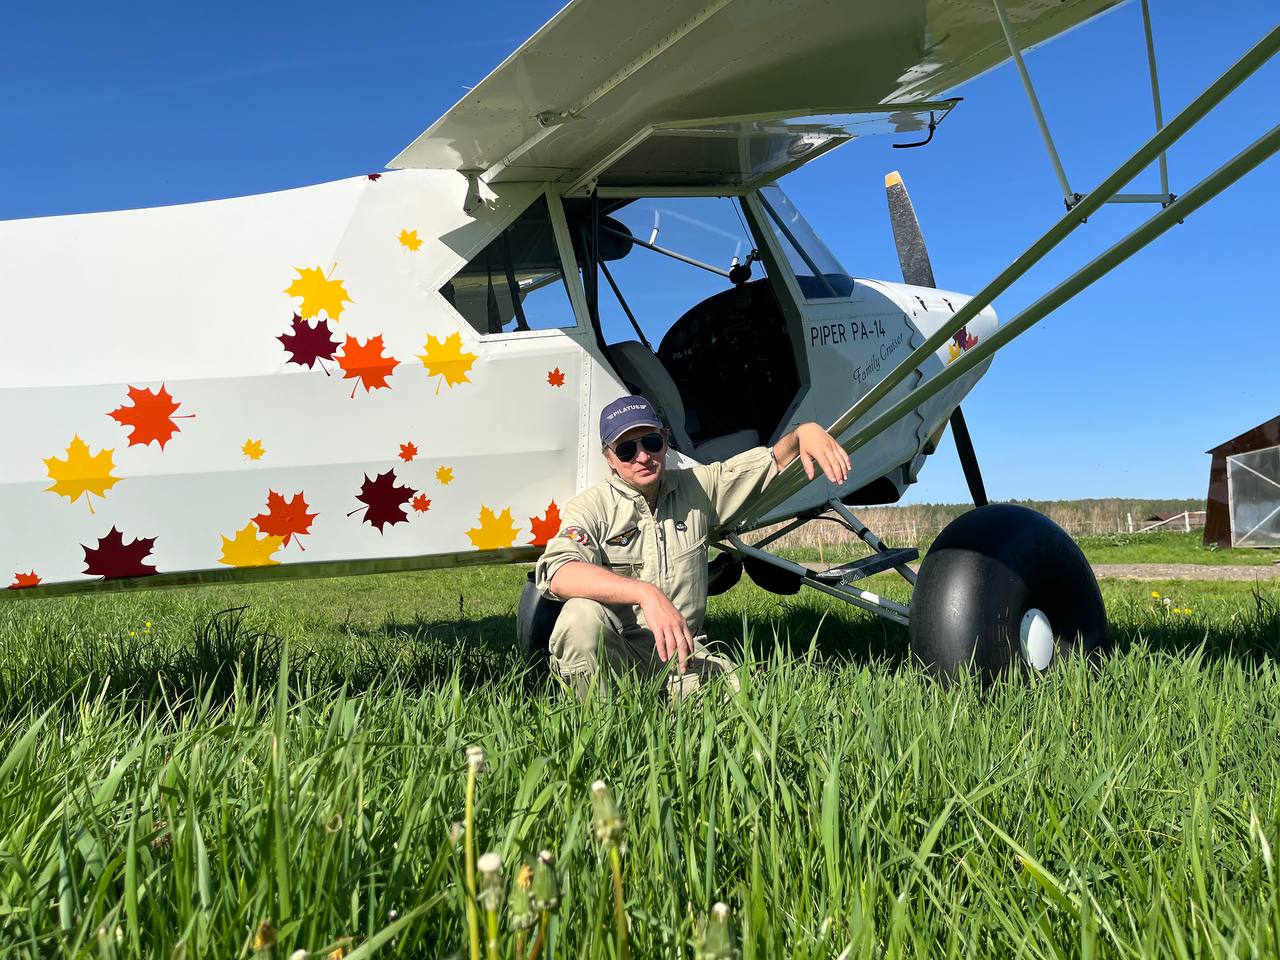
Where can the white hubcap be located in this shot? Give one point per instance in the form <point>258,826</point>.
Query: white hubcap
<point>1037,639</point>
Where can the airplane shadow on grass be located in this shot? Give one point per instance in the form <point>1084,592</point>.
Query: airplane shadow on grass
<point>229,654</point>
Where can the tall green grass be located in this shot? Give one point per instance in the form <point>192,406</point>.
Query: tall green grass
<point>302,760</point>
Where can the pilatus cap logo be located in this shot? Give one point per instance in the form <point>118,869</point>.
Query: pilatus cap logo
<point>626,413</point>
<point>624,539</point>
<point>577,535</point>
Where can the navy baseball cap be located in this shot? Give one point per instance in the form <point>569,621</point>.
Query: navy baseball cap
<point>626,413</point>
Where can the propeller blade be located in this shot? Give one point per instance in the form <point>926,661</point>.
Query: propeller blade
<point>917,270</point>
<point>912,254</point>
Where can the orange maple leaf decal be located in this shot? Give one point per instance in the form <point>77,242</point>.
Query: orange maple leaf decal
<point>286,519</point>
<point>494,531</point>
<point>445,475</point>
<point>421,503</point>
<point>151,416</point>
<point>318,292</point>
<point>253,449</point>
<point>408,451</point>
<point>555,377</point>
<point>445,359</point>
<point>81,474</point>
<point>545,527</point>
<point>410,240</point>
<point>21,580</point>
<point>367,363</point>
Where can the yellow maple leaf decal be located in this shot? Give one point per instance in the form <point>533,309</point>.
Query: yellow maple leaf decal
<point>410,239</point>
<point>495,531</point>
<point>445,359</point>
<point>246,550</point>
<point>953,352</point>
<point>445,475</point>
<point>81,474</point>
<point>318,292</point>
<point>253,449</point>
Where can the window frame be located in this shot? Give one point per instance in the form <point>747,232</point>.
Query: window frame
<point>581,326</point>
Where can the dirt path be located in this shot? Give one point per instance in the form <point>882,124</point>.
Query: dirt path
<point>1184,571</point>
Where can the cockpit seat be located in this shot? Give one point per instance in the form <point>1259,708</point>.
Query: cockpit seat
<point>642,371</point>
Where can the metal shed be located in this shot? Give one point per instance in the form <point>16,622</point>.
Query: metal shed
<point>1243,508</point>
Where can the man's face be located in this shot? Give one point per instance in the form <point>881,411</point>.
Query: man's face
<point>645,471</point>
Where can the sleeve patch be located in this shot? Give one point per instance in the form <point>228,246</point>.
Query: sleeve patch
<point>577,535</point>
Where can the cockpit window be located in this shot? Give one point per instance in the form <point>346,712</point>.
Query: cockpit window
<point>515,284</point>
<point>669,253</point>
<point>818,273</point>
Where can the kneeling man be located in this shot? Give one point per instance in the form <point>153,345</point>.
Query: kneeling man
<point>630,559</point>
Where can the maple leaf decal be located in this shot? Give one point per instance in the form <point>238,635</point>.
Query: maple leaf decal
<point>285,518</point>
<point>421,503</point>
<point>445,359</point>
<point>113,559</point>
<point>307,344</point>
<point>151,416</point>
<point>318,293</point>
<point>248,550</point>
<point>410,240</point>
<point>375,177</point>
<point>24,580</point>
<point>253,449</point>
<point>408,451</point>
<point>367,363</point>
<point>384,501</point>
<point>555,377</point>
<point>445,475</point>
<point>494,531</point>
<point>81,474</point>
<point>545,527</point>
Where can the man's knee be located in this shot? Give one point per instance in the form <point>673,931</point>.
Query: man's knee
<point>575,639</point>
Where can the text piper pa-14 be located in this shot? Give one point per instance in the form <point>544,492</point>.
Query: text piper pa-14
<point>401,371</point>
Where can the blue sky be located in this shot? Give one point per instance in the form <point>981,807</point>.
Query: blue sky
<point>1118,394</point>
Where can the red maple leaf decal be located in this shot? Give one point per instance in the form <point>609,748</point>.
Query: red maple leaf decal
<point>408,451</point>
<point>384,500</point>
<point>21,580</point>
<point>366,362</point>
<point>112,558</point>
<point>307,344</point>
<point>375,177</point>
<point>555,377</point>
<point>421,503</point>
<point>285,519</point>
<point>546,526</point>
<point>151,416</point>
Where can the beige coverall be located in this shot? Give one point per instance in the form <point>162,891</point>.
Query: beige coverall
<point>611,525</point>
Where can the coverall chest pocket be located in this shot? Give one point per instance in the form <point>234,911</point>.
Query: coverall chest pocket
<point>624,554</point>
<point>687,565</point>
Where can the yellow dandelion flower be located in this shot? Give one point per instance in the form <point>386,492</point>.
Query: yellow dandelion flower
<point>1155,594</point>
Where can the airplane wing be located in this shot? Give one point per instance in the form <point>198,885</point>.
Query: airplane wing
<point>602,76</point>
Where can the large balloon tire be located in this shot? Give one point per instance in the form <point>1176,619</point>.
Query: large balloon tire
<point>1005,590</point>
<point>535,619</point>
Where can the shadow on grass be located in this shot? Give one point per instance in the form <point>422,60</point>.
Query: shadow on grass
<point>229,654</point>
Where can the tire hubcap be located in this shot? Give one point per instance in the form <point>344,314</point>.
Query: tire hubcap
<point>1037,639</point>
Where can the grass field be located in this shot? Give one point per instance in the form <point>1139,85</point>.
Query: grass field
<point>178,767</point>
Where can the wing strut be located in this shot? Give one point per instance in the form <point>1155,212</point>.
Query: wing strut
<point>1069,196</point>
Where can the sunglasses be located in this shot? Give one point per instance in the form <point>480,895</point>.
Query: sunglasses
<point>628,450</point>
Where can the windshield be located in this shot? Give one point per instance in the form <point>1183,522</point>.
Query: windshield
<point>818,272</point>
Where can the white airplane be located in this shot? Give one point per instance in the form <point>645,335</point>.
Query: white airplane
<point>401,371</point>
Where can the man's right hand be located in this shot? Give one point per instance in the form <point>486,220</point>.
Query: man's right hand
<point>670,630</point>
